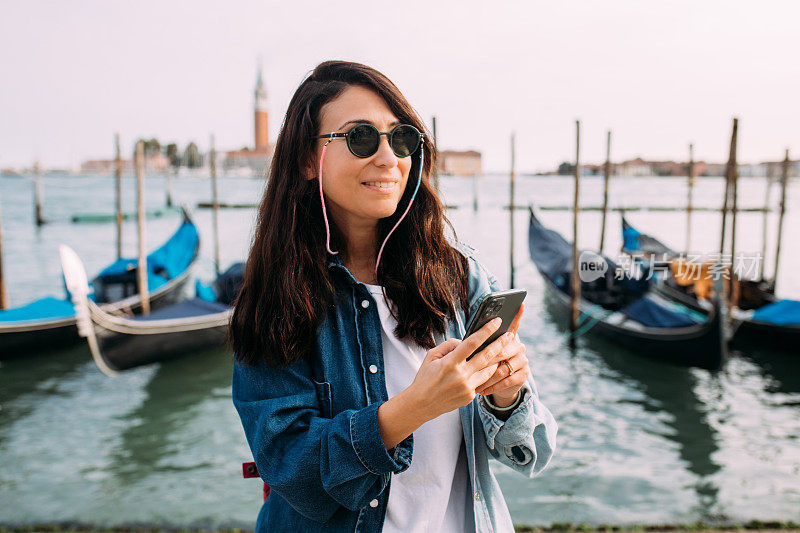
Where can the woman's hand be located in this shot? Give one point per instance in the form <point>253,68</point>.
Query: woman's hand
<point>446,380</point>
<point>502,386</point>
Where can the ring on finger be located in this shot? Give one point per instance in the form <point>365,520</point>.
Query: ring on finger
<point>510,368</point>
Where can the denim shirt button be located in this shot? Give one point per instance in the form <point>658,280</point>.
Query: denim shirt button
<point>364,303</point>
<point>477,495</point>
<point>373,369</point>
<point>373,503</point>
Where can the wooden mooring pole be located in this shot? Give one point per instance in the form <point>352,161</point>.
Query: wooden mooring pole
<point>606,176</point>
<point>733,169</point>
<point>782,212</point>
<point>118,192</point>
<point>141,271</point>
<point>575,278</point>
<point>37,194</point>
<point>215,202</point>
<point>728,174</point>
<point>689,199</point>
<point>475,191</point>
<point>435,147</point>
<point>3,294</point>
<point>511,211</point>
<point>168,185</point>
<point>764,222</point>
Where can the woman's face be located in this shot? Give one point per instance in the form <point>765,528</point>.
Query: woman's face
<point>350,183</point>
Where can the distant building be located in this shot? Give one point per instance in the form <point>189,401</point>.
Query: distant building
<point>156,163</point>
<point>103,166</point>
<point>774,169</point>
<point>715,169</point>
<point>752,171</point>
<point>153,163</point>
<point>668,168</point>
<point>634,167</point>
<point>247,162</point>
<point>256,160</point>
<point>589,169</point>
<point>700,168</point>
<point>640,167</point>
<point>261,115</point>
<point>459,163</point>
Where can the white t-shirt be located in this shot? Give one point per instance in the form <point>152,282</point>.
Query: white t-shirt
<point>433,494</point>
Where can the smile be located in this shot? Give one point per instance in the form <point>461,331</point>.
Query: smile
<point>380,186</point>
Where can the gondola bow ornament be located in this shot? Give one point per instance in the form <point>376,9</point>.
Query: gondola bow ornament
<point>78,287</point>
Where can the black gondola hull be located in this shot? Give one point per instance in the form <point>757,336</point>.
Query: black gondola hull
<point>746,332</point>
<point>753,332</point>
<point>124,351</point>
<point>25,340</point>
<point>18,341</point>
<point>701,348</point>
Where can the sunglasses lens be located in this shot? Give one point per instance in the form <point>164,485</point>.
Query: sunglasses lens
<point>405,140</point>
<point>363,140</point>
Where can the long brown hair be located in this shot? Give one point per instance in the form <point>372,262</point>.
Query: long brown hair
<point>287,285</point>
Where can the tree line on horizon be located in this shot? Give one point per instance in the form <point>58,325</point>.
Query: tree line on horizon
<point>190,158</point>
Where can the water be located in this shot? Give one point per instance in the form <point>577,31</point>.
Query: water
<point>639,441</point>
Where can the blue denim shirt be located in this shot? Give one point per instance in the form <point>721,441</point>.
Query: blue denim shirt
<point>313,427</point>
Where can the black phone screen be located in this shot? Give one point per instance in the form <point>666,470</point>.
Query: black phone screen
<point>503,304</point>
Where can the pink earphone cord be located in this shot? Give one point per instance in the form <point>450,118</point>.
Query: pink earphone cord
<point>325,213</point>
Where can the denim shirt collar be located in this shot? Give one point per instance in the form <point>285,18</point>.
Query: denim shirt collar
<point>335,261</point>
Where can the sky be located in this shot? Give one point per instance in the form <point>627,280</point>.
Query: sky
<point>659,74</point>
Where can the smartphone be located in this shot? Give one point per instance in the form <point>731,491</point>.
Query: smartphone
<point>504,304</point>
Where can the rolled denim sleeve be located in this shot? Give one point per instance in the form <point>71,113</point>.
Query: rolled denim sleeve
<point>526,441</point>
<point>316,464</point>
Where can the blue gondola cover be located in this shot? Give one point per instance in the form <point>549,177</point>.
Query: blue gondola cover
<point>649,313</point>
<point>163,264</point>
<point>204,292</point>
<point>630,237</point>
<point>781,313</point>
<point>47,308</point>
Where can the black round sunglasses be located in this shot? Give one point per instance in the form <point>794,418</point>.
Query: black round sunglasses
<point>363,139</point>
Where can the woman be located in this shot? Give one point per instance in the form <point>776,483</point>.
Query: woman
<point>342,373</point>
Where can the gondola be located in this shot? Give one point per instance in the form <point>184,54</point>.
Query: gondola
<point>636,243</point>
<point>649,248</point>
<point>120,343</point>
<point>49,323</point>
<point>759,315</point>
<point>625,310</point>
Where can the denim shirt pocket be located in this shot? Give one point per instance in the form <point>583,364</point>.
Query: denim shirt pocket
<point>324,397</point>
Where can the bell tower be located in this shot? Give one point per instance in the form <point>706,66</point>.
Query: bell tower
<point>260,110</point>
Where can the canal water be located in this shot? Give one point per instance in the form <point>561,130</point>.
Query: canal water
<point>639,441</point>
